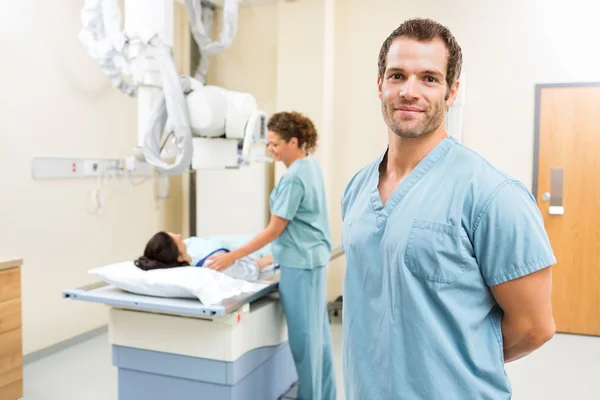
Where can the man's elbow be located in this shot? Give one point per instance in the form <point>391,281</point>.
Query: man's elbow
<point>542,333</point>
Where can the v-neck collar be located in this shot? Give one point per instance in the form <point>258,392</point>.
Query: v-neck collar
<point>411,179</point>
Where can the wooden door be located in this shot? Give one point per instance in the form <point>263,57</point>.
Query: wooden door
<point>567,168</point>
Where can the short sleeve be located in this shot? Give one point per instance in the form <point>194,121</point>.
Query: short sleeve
<point>509,237</point>
<point>287,200</point>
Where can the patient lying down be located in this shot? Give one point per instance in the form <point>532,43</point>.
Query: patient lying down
<point>168,250</point>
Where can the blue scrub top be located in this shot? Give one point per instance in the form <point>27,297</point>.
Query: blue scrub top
<point>420,321</point>
<point>300,198</point>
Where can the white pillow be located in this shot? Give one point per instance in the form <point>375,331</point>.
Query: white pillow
<point>209,286</point>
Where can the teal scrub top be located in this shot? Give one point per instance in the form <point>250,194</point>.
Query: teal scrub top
<point>420,321</point>
<point>300,198</point>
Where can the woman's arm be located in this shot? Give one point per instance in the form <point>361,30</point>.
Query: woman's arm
<point>272,231</point>
<point>275,228</point>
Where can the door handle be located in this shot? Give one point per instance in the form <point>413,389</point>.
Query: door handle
<point>555,196</point>
<point>546,196</point>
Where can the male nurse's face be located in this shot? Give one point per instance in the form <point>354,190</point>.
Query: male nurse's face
<point>413,91</point>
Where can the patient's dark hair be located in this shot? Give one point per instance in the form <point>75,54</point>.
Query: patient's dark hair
<point>161,252</point>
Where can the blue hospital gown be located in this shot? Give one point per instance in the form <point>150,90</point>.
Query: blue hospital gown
<point>420,321</point>
<point>201,247</point>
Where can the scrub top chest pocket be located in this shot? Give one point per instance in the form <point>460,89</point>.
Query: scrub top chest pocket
<point>435,252</point>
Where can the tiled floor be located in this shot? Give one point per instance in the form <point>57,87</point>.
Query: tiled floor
<point>568,367</point>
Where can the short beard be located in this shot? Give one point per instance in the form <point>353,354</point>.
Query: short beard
<point>411,132</point>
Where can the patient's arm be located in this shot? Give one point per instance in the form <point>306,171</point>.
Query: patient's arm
<point>264,261</point>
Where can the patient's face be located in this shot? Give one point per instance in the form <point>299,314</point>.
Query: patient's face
<point>180,245</point>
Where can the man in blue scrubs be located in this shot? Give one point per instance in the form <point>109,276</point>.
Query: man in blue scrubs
<point>447,274</point>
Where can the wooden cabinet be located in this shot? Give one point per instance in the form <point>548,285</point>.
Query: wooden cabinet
<point>11,347</point>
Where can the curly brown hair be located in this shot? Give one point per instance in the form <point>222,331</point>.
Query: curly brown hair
<point>293,124</point>
<point>425,30</point>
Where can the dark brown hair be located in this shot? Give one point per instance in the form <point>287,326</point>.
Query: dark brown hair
<point>425,30</point>
<point>294,124</point>
<point>161,252</point>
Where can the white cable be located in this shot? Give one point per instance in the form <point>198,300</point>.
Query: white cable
<point>170,104</point>
<point>92,198</point>
<point>228,32</point>
<point>95,196</point>
<point>101,193</point>
<point>104,42</point>
<point>208,16</point>
<point>132,182</point>
<point>201,19</point>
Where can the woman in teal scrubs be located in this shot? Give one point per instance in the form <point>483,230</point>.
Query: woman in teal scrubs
<point>299,230</point>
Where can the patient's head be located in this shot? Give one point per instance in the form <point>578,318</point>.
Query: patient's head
<point>164,250</point>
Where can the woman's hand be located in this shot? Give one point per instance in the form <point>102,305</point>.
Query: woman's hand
<point>276,226</point>
<point>263,262</point>
<point>221,262</point>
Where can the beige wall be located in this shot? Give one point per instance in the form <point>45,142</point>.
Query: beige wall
<point>305,65</point>
<point>287,67</point>
<point>249,65</point>
<point>55,102</point>
<point>306,70</point>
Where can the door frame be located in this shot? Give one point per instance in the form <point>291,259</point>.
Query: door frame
<point>536,129</point>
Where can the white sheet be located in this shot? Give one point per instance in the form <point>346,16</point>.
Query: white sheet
<point>209,286</point>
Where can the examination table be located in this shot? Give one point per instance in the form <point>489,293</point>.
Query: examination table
<point>180,349</point>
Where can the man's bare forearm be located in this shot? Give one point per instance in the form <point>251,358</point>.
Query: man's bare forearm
<point>523,337</point>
